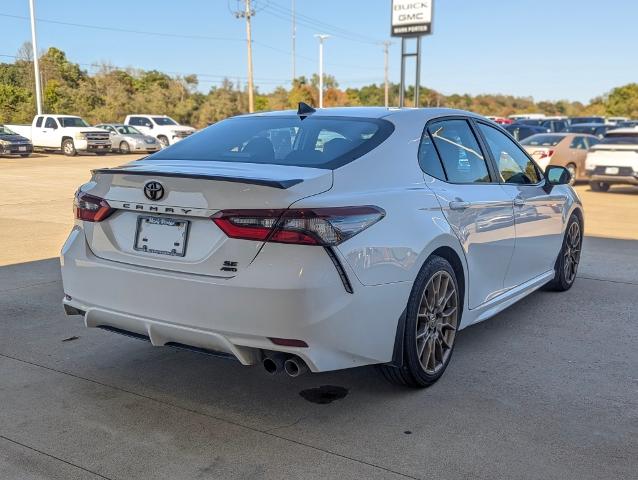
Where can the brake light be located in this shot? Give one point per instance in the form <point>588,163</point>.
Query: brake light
<point>306,226</point>
<point>91,208</point>
<point>543,153</point>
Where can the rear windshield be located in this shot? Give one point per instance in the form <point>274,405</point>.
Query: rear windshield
<point>620,138</point>
<point>577,120</point>
<point>542,140</point>
<point>319,142</point>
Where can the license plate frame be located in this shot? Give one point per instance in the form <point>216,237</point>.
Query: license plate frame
<point>612,171</point>
<point>152,224</point>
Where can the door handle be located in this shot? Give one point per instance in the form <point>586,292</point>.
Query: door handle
<point>459,205</point>
<point>519,202</point>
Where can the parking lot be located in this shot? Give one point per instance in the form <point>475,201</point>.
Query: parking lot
<point>546,389</point>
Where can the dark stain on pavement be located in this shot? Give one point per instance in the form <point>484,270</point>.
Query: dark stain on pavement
<point>324,394</point>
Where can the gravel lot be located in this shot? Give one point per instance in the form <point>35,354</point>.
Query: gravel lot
<point>547,389</point>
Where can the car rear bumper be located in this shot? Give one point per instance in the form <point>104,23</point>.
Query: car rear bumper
<point>288,291</point>
<point>615,179</point>
<point>16,149</point>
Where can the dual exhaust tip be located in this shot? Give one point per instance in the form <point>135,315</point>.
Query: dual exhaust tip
<point>280,362</point>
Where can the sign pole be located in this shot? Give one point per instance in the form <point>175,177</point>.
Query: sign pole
<point>418,72</point>
<point>402,84</point>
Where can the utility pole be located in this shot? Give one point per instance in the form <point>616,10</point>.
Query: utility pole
<point>36,67</point>
<point>294,38</point>
<point>321,38</point>
<point>248,13</point>
<point>386,45</point>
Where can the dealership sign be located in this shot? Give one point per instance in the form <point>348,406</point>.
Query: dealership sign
<point>411,18</point>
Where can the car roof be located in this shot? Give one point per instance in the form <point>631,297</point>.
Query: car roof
<point>424,114</point>
<point>624,130</point>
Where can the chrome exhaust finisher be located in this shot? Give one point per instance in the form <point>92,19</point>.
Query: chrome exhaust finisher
<point>274,362</point>
<point>295,366</point>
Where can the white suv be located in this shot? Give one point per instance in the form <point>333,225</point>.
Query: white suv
<point>614,160</point>
<point>164,128</point>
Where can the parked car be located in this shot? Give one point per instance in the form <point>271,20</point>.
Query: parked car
<point>628,124</point>
<point>553,124</point>
<point>322,255</point>
<point>164,128</point>
<point>596,129</point>
<point>614,161</point>
<point>521,132</point>
<point>565,149</point>
<point>501,120</point>
<point>68,133</point>
<point>13,144</point>
<point>523,116</point>
<point>580,120</point>
<point>617,120</point>
<point>127,139</point>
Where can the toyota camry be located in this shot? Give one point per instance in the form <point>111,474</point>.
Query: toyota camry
<point>322,239</point>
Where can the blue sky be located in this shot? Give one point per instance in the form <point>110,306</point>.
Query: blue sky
<point>548,49</point>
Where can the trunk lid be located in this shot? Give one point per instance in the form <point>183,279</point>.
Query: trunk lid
<point>192,192</point>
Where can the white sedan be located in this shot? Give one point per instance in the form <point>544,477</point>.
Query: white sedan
<point>322,240</point>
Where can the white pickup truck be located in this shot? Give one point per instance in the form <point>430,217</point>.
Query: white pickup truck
<point>68,133</point>
<point>614,161</point>
<point>162,127</point>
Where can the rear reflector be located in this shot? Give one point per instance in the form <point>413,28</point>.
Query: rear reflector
<point>288,342</point>
<point>90,208</point>
<point>307,226</point>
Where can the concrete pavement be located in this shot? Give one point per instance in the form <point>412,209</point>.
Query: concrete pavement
<point>547,389</point>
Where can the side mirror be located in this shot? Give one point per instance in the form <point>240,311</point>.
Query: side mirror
<point>149,125</point>
<point>556,175</point>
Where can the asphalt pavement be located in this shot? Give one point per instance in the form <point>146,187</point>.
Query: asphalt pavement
<point>547,389</point>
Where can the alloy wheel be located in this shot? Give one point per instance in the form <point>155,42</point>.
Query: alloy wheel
<point>437,322</point>
<point>572,252</point>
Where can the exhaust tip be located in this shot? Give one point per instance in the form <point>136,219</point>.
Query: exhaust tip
<point>295,366</point>
<point>270,365</point>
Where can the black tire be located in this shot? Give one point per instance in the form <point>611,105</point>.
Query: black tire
<point>565,275</point>
<point>125,148</point>
<point>163,141</point>
<point>573,172</point>
<point>25,155</point>
<point>599,186</point>
<point>68,148</point>
<point>413,373</point>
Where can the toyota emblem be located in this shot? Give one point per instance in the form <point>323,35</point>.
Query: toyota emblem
<point>153,190</point>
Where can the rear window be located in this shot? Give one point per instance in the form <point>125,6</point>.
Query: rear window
<point>542,140</point>
<point>620,138</point>
<point>319,142</point>
<point>577,120</point>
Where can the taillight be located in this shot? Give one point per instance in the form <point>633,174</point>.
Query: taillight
<point>306,226</point>
<point>543,153</point>
<point>90,208</point>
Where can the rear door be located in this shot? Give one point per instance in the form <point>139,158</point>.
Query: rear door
<point>477,208</point>
<point>538,215</point>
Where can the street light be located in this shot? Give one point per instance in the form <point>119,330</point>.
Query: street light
<point>36,67</point>
<point>321,38</point>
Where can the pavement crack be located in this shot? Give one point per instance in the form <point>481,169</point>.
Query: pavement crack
<point>29,286</point>
<point>29,447</point>
<point>622,282</point>
<point>280,427</point>
<point>268,432</point>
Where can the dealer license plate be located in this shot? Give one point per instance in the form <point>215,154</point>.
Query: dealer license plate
<point>611,171</point>
<point>162,236</point>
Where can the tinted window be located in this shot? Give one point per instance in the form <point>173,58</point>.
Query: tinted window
<point>72,122</point>
<point>620,138</point>
<point>577,120</point>
<point>164,121</point>
<point>38,122</point>
<point>321,142</point>
<point>460,152</point>
<point>513,165</point>
<point>429,160</point>
<point>50,123</point>
<point>579,143</point>
<point>139,121</point>
<point>542,140</point>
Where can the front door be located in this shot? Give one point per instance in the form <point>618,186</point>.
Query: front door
<point>538,215</point>
<point>478,209</point>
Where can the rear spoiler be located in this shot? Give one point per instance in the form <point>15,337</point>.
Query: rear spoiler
<point>266,182</point>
